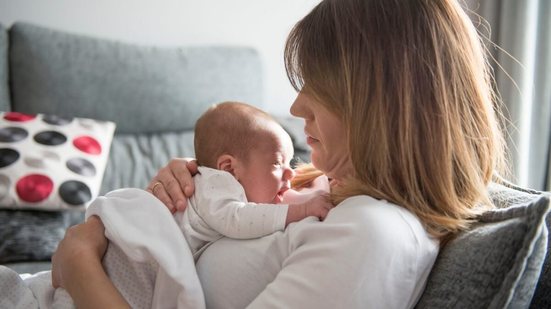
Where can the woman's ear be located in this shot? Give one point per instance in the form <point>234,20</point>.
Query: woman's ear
<point>226,163</point>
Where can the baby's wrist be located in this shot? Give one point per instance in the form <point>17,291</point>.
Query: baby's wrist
<point>296,212</point>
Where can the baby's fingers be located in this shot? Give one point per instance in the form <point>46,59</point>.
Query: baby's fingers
<point>323,213</point>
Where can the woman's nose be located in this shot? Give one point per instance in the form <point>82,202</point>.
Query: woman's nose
<point>297,109</point>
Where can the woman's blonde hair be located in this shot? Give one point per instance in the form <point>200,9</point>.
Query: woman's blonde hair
<point>410,81</point>
<point>305,175</point>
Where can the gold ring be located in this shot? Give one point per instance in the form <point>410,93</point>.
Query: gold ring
<point>154,186</point>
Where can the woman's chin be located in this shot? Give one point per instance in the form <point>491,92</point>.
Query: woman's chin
<point>316,161</point>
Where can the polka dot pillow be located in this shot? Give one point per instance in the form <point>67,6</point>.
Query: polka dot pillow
<point>51,163</point>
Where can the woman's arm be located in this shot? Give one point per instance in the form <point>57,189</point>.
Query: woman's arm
<point>76,267</point>
<point>173,183</point>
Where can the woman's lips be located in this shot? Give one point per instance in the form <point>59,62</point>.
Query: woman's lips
<point>310,140</point>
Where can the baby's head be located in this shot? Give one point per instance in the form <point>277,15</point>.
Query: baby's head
<point>248,143</point>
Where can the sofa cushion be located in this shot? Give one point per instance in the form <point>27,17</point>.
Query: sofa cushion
<point>497,263</point>
<point>51,163</point>
<point>503,196</point>
<point>4,86</point>
<point>142,89</point>
<point>33,235</point>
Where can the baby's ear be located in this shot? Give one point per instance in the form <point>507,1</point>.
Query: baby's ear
<point>226,163</point>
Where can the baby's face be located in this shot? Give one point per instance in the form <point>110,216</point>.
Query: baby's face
<point>267,174</point>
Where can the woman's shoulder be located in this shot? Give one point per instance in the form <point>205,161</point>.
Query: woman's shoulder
<point>372,213</point>
<point>376,239</point>
<point>381,224</point>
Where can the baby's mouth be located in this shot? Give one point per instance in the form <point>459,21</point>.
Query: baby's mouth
<point>279,196</point>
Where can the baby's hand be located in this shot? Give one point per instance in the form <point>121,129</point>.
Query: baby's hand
<point>318,206</point>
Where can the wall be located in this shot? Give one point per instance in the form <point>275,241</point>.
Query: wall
<point>263,24</point>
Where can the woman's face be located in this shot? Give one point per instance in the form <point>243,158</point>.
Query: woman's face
<point>326,135</point>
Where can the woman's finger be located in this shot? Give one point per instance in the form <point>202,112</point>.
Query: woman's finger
<point>173,190</point>
<point>157,187</point>
<point>183,170</point>
<point>193,169</point>
<point>181,186</point>
<point>159,191</point>
<point>173,183</point>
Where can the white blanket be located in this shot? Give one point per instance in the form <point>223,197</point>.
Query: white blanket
<point>148,259</point>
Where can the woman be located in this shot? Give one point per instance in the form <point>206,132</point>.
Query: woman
<point>399,114</point>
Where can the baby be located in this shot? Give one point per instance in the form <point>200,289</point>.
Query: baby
<point>244,171</point>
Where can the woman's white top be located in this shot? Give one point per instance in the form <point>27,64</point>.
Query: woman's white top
<point>367,253</point>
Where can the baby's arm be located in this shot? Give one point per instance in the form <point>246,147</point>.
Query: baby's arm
<point>311,200</point>
<point>221,204</point>
<point>318,206</point>
<point>243,220</point>
<point>220,201</point>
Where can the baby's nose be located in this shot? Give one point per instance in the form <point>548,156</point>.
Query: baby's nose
<point>288,174</point>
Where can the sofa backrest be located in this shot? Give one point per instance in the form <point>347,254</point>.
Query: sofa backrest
<point>153,94</point>
<point>142,89</point>
<point>4,87</point>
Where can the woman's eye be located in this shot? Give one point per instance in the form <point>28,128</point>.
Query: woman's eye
<point>277,164</point>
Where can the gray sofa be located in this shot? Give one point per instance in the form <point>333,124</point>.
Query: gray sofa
<point>154,95</point>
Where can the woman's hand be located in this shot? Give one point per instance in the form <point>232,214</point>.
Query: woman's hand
<point>76,267</point>
<point>173,184</point>
<point>83,243</point>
